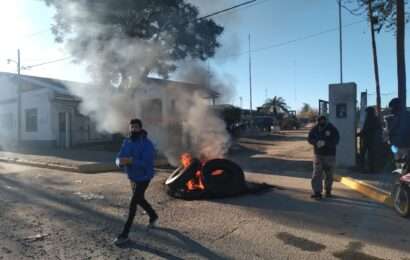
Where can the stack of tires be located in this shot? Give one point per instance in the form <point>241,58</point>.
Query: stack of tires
<point>228,181</point>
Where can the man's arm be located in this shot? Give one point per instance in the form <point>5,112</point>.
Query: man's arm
<point>312,137</point>
<point>123,154</point>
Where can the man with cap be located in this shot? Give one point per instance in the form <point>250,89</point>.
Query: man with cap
<point>136,157</point>
<point>324,137</point>
<point>397,128</point>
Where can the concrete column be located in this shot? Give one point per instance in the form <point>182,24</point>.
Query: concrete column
<point>342,108</point>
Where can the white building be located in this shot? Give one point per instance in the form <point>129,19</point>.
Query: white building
<point>50,114</point>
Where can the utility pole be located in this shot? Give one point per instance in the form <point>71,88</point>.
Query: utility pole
<point>400,52</point>
<point>340,42</point>
<point>375,62</point>
<point>250,79</point>
<point>18,98</point>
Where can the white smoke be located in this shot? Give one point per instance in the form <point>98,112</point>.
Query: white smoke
<point>192,126</point>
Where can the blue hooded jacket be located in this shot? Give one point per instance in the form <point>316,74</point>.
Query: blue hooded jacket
<point>143,154</point>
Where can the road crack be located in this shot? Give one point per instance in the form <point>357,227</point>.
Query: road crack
<point>235,228</point>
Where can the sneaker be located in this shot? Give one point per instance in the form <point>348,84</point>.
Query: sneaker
<point>316,196</point>
<point>153,222</point>
<point>120,240</point>
<point>328,194</point>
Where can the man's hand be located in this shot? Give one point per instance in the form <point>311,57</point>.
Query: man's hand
<point>125,160</point>
<point>320,144</point>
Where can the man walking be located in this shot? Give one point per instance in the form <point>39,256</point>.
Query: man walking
<point>136,157</point>
<point>324,137</point>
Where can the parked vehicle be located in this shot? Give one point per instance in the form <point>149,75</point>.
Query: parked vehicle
<point>401,187</point>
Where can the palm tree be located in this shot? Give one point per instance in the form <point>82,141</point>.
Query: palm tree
<point>275,105</point>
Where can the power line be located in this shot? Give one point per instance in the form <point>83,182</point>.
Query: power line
<point>236,8</point>
<point>276,45</point>
<point>227,9</point>
<point>35,33</point>
<point>47,62</point>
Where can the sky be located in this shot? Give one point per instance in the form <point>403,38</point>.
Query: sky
<point>294,49</point>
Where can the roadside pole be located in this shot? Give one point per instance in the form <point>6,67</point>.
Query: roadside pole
<point>18,99</point>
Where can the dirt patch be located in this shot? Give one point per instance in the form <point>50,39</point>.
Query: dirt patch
<point>300,242</point>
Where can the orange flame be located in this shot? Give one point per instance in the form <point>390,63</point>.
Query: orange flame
<point>186,159</point>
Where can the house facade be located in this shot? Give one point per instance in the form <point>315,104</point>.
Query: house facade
<point>49,115</point>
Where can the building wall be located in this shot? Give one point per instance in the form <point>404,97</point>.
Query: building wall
<point>39,100</point>
<point>82,130</point>
<point>8,111</point>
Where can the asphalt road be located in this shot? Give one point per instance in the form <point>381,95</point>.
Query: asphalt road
<point>48,214</point>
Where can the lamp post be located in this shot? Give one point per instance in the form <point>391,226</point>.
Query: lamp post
<point>18,63</point>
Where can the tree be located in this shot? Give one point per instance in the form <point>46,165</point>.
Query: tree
<point>231,115</point>
<point>388,14</point>
<point>129,37</point>
<point>275,105</point>
<point>308,113</point>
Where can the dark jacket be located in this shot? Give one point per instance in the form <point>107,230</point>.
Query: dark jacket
<point>329,134</point>
<point>143,154</point>
<point>398,129</point>
<point>371,130</point>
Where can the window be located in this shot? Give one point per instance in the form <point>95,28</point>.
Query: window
<point>31,120</point>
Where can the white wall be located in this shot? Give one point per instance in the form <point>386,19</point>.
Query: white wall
<point>340,94</point>
<point>38,99</point>
<point>8,105</point>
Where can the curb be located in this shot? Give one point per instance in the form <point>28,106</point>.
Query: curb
<point>366,189</point>
<point>89,168</point>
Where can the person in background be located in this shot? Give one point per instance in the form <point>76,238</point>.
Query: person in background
<point>136,157</point>
<point>397,128</point>
<point>324,137</point>
<point>369,135</point>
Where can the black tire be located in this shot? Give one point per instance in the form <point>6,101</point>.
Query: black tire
<point>401,199</point>
<point>181,176</point>
<point>230,182</point>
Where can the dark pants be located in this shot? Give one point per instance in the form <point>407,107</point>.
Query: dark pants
<point>138,198</point>
<point>368,147</point>
<point>323,167</point>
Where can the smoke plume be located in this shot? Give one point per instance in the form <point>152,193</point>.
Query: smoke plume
<point>185,121</point>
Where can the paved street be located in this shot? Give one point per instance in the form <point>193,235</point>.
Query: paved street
<point>49,214</point>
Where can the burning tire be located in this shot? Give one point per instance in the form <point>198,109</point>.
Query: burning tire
<point>182,175</point>
<point>223,178</point>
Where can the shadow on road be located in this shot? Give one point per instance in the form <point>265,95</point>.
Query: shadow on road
<point>88,224</point>
<point>341,215</point>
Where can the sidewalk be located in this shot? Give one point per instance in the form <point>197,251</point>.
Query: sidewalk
<point>77,160</point>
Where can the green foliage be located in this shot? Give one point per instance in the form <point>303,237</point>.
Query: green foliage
<point>171,25</point>
<point>231,115</point>
<point>308,113</point>
<point>384,12</point>
<point>275,105</point>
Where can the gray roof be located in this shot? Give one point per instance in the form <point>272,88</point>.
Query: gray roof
<point>33,82</point>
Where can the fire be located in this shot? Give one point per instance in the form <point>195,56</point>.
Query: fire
<point>196,183</point>
<point>186,159</point>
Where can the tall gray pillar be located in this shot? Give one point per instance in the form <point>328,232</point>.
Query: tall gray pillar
<point>342,108</point>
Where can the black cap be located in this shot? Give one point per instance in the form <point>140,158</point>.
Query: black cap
<point>136,121</point>
<point>395,103</point>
